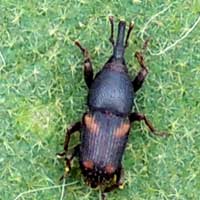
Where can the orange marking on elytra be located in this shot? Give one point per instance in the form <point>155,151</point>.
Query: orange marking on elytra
<point>88,164</point>
<point>122,130</point>
<point>91,124</point>
<point>109,168</point>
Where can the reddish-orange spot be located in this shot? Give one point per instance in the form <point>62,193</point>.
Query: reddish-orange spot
<point>109,168</point>
<point>122,130</point>
<point>91,124</point>
<point>88,164</point>
<point>87,65</point>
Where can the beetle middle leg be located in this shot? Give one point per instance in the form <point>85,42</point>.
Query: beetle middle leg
<point>140,117</point>
<point>69,160</point>
<point>88,71</point>
<point>75,127</point>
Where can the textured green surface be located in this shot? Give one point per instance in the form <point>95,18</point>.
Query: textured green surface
<point>42,91</point>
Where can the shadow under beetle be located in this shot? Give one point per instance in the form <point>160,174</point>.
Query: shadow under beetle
<point>105,127</point>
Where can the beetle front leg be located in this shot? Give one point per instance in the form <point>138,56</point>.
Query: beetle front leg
<point>88,71</point>
<point>140,117</point>
<point>111,39</point>
<point>131,25</point>
<point>139,79</point>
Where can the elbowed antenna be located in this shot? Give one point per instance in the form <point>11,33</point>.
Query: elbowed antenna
<point>118,51</point>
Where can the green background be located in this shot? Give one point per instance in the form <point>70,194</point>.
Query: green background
<point>42,92</point>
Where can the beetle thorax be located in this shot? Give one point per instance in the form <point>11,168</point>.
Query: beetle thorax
<point>117,65</point>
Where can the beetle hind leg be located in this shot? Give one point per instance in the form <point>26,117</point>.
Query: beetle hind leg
<point>119,183</point>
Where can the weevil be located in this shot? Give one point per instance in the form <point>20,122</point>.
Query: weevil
<point>105,127</point>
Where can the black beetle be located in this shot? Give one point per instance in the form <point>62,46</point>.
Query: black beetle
<point>106,125</point>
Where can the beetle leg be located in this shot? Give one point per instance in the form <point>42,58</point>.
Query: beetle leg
<point>69,160</point>
<point>140,117</point>
<point>75,127</point>
<point>75,153</point>
<point>111,39</point>
<point>139,79</point>
<point>103,196</point>
<point>88,71</point>
<point>131,25</point>
<point>119,183</point>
